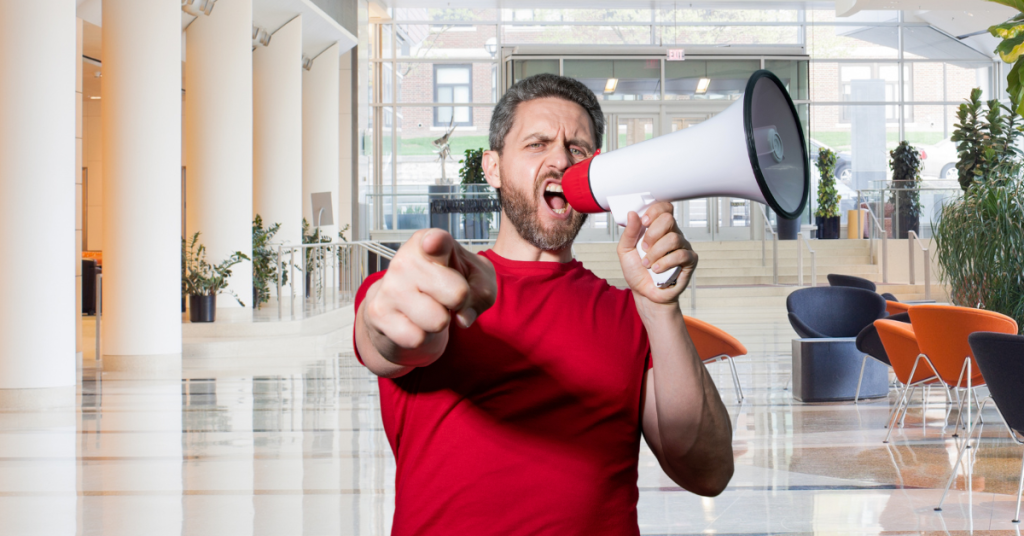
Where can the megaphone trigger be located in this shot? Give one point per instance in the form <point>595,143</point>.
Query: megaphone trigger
<point>621,206</point>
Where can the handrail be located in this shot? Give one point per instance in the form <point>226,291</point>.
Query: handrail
<point>912,238</point>
<point>342,257</point>
<point>885,238</point>
<point>775,246</point>
<point>800,261</point>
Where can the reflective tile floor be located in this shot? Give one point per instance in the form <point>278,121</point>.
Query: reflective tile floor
<point>293,445</point>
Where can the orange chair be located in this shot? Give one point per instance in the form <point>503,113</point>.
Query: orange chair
<point>895,307</point>
<point>715,345</point>
<point>942,332</point>
<point>901,347</point>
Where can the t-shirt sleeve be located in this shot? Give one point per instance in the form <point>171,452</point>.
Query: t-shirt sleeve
<point>360,296</point>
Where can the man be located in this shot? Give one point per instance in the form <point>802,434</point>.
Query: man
<point>525,416</point>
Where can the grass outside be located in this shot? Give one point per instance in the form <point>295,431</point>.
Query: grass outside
<point>425,146</point>
<point>841,141</point>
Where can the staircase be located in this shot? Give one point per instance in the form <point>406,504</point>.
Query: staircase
<point>732,274</point>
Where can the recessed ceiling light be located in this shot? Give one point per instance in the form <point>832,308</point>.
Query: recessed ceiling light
<point>609,87</point>
<point>702,85</point>
<point>95,97</point>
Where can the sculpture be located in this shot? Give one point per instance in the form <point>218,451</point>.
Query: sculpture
<point>444,151</point>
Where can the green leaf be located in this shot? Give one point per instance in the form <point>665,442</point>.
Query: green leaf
<point>1010,49</point>
<point>1007,30</point>
<point>1015,4</point>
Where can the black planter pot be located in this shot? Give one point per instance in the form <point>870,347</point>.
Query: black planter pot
<point>255,297</point>
<point>828,228</point>
<point>787,228</point>
<point>309,281</point>
<point>907,224</point>
<point>202,308</point>
<point>183,304</point>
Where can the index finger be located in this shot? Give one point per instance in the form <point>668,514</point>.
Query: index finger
<point>655,210</point>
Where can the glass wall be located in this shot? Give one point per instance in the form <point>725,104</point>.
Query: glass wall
<point>871,80</point>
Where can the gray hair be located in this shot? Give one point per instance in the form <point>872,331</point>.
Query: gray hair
<point>536,87</point>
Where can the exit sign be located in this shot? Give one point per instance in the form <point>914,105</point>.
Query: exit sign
<point>676,54</point>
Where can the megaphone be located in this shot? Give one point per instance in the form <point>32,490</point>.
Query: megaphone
<point>753,150</point>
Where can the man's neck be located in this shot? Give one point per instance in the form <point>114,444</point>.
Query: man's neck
<point>513,247</point>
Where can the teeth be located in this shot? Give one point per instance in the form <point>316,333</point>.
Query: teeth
<point>560,210</point>
<point>552,187</point>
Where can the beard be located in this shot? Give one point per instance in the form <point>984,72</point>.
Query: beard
<point>522,210</point>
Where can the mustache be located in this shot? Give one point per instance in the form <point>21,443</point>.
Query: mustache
<point>557,175</point>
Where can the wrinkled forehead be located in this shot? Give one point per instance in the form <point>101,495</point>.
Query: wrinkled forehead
<point>551,116</point>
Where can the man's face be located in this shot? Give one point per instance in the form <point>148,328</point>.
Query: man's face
<point>548,136</point>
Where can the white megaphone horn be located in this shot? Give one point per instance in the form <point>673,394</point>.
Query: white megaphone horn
<point>753,150</point>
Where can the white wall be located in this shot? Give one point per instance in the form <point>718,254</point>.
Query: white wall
<point>320,142</point>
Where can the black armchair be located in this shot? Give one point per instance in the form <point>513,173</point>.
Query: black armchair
<point>998,356</point>
<point>826,312</point>
<point>840,280</point>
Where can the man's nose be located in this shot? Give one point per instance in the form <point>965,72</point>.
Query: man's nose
<point>560,158</point>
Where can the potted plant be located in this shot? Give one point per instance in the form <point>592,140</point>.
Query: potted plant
<point>471,173</point>
<point>264,262</point>
<point>313,259</point>
<point>203,281</point>
<point>979,238</point>
<point>827,214</point>
<point>905,163</point>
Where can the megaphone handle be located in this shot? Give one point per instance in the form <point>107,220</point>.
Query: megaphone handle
<point>621,206</point>
<point>664,279</point>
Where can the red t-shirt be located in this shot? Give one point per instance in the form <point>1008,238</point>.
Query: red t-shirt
<point>529,423</point>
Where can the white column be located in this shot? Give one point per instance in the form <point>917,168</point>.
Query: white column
<point>37,203</point>
<point>346,148</point>
<point>277,132</point>
<point>320,135</point>
<point>141,122</point>
<point>219,138</point>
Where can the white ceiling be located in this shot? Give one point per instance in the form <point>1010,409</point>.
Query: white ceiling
<point>319,31</point>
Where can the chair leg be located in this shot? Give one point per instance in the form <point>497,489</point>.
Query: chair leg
<point>978,402</point>
<point>906,407</point>
<point>736,380</point>
<point>959,457</point>
<point>896,413</point>
<point>1020,489</point>
<point>863,362</point>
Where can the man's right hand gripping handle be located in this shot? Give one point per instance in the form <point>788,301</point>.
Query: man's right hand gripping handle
<point>403,321</point>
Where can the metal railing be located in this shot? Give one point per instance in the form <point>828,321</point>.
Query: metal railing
<point>349,263</point>
<point>877,226</point>
<point>775,246</point>
<point>912,239</point>
<point>800,261</point>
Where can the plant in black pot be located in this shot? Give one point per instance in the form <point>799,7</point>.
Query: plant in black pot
<point>826,216</point>
<point>265,270</point>
<point>471,173</point>
<point>203,281</point>
<point>905,163</point>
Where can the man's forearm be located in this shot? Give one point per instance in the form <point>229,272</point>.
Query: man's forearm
<point>694,426</point>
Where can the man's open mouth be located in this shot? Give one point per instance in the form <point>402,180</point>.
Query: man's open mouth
<point>555,199</point>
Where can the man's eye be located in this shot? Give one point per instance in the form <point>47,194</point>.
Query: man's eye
<point>578,152</point>
<point>534,145</point>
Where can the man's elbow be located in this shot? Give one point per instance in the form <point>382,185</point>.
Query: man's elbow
<point>706,483</point>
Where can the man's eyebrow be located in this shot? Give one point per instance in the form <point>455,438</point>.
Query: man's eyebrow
<point>540,136</point>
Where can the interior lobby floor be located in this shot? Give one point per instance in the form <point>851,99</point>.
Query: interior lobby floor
<point>294,445</point>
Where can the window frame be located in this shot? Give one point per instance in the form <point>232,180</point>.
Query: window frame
<point>469,86</point>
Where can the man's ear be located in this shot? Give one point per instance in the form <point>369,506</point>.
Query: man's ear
<point>491,168</point>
